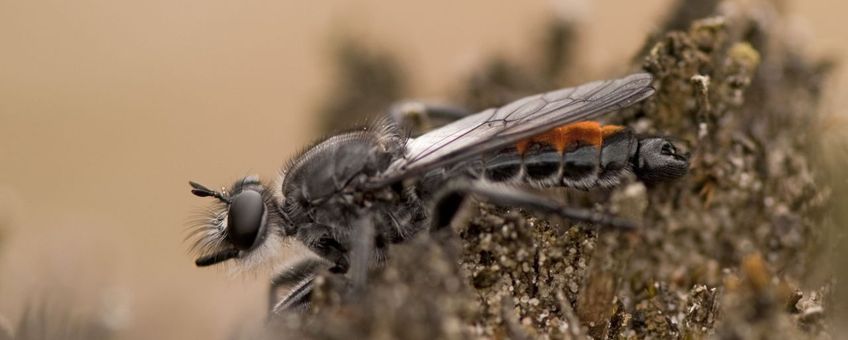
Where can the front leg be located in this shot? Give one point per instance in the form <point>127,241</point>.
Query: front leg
<point>291,289</point>
<point>319,238</point>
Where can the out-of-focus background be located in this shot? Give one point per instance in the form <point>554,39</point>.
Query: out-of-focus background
<point>107,108</point>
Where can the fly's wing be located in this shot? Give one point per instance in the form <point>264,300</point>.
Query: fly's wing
<point>496,128</point>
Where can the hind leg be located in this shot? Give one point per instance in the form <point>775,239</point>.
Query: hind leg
<point>448,205</point>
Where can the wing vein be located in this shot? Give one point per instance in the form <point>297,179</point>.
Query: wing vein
<point>491,129</point>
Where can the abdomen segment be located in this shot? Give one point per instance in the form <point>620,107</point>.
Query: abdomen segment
<point>581,155</point>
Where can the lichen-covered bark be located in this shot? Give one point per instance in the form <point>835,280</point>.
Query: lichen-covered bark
<point>727,252</point>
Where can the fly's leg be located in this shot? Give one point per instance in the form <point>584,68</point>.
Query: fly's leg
<point>319,239</point>
<point>291,290</point>
<point>362,253</point>
<point>448,205</point>
<point>419,117</point>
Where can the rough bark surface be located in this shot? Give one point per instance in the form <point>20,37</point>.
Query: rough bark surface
<point>731,251</point>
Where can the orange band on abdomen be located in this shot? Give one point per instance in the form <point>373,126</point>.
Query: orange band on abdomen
<point>566,136</point>
<point>609,130</point>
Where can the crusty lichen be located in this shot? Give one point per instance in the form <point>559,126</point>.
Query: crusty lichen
<point>539,265</point>
<point>724,252</point>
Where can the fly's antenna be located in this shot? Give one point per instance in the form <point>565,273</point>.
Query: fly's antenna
<point>202,191</point>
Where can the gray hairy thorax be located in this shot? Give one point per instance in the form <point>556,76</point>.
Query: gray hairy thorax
<point>324,189</point>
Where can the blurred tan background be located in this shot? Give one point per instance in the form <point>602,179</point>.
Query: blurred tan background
<point>107,108</point>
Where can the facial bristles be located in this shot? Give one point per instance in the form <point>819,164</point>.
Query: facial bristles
<point>209,245</point>
<point>208,233</point>
<point>264,258</point>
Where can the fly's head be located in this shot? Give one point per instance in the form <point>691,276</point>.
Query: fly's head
<point>241,226</point>
<point>658,160</point>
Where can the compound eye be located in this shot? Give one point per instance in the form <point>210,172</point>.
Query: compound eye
<point>245,219</point>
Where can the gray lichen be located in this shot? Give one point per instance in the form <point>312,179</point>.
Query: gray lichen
<point>723,253</point>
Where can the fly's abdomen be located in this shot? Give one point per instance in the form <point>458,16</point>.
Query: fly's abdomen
<point>617,151</point>
<point>581,155</point>
<point>505,165</point>
<point>542,162</point>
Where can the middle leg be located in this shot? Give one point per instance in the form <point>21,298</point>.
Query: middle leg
<point>418,117</point>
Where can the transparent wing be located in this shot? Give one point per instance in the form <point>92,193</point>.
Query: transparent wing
<point>496,128</point>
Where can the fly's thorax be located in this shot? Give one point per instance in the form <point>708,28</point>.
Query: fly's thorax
<point>328,191</point>
<point>581,155</point>
<point>332,173</point>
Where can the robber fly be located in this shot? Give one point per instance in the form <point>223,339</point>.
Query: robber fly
<point>349,196</point>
